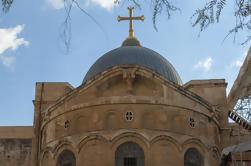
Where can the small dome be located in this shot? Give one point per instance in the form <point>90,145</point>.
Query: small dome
<point>132,53</point>
<point>131,42</point>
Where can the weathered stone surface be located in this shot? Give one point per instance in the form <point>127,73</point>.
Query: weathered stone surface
<point>167,124</point>
<point>15,152</point>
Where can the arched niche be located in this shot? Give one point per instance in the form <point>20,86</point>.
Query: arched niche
<point>192,157</point>
<point>165,151</point>
<point>129,154</point>
<point>94,151</point>
<point>66,158</point>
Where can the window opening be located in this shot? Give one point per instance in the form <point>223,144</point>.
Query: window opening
<point>130,161</point>
<point>67,124</point>
<point>192,122</point>
<point>129,116</point>
<point>129,154</point>
<point>192,157</point>
<point>66,158</point>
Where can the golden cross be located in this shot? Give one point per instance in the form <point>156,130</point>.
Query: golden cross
<point>131,18</point>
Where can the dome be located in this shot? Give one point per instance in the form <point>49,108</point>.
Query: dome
<point>132,53</point>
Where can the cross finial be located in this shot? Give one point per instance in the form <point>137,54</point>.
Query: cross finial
<point>131,18</point>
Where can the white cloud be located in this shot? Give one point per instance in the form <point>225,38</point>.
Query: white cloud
<point>206,65</point>
<point>107,4</point>
<point>57,4</point>
<point>9,40</point>
<point>239,62</point>
<point>8,61</point>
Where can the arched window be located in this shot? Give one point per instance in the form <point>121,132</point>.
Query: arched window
<point>66,158</point>
<point>129,154</point>
<point>193,158</point>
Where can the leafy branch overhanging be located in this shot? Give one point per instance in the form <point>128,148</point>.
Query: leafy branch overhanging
<point>202,17</point>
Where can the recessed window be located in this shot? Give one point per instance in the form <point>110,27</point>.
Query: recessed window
<point>130,161</point>
<point>66,158</point>
<point>67,124</point>
<point>193,157</point>
<point>129,116</point>
<point>191,122</point>
<point>129,154</point>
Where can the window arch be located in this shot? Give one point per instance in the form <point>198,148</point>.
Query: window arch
<point>193,157</point>
<point>129,154</point>
<point>66,158</point>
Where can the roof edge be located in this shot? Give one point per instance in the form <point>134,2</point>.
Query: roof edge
<point>237,90</point>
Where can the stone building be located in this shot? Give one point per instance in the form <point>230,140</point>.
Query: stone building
<point>132,109</point>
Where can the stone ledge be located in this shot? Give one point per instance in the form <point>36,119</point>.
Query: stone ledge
<point>18,132</point>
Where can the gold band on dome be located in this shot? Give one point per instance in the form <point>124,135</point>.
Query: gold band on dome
<point>131,18</point>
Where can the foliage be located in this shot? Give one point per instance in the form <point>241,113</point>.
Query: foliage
<point>202,17</point>
<point>158,7</point>
<point>206,16</point>
<point>6,4</point>
<point>65,31</point>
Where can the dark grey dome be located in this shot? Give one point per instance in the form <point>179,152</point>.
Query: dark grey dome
<point>130,54</point>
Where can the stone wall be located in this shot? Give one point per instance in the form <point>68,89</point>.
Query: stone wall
<point>92,122</point>
<point>16,145</point>
<point>15,152</point>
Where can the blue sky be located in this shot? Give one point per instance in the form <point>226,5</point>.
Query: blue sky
<point>31,49</point>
